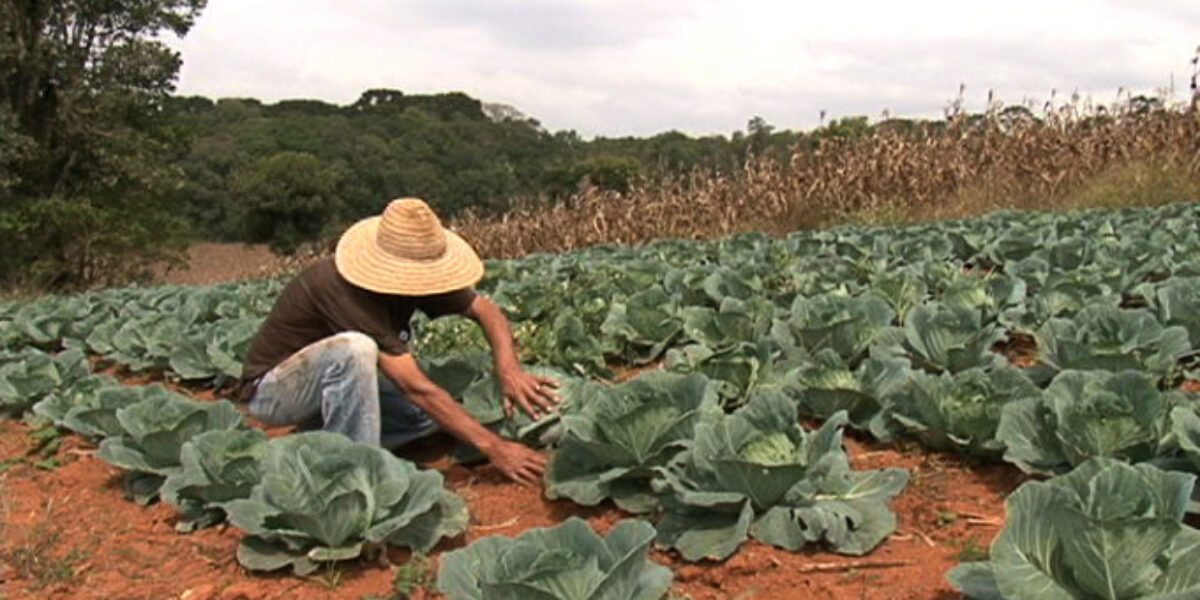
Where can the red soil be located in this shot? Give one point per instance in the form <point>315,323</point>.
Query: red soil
<point>69,533</point>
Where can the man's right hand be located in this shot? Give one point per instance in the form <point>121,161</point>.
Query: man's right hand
<point>518,463</point>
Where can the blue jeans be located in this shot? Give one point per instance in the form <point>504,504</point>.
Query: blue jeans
<point>337,379</point>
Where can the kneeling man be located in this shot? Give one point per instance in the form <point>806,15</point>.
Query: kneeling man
<point>335,347</point>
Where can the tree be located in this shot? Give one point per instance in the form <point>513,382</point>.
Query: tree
<point>86,164</point>
<point>287,199</point>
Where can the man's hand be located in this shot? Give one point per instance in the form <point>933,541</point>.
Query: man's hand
<point>518,463</point>
<point>531,393</point>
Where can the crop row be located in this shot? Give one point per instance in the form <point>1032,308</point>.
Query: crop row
<point>1055,342</point>
<point>658,445</point>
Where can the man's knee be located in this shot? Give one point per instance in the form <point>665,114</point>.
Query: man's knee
<point>355,348</point>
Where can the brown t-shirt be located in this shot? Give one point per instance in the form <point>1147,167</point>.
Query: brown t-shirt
<point>320,303</point>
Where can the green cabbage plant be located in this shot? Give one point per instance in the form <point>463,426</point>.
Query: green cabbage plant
<point>955,411</point>
<point>27,376</point>
<point>483,399</point>
<point>990,294</point>
<point>153,432</point>
<point>565,562</point>
<point>1111,339</point>
<point>735,322</point>
<point>1178,303</point>
<point>757,473</point>
<point>1085,414</point>
<point>55,405</point>
<point>902,289</point>
<point>734,372</point>
<point>1105,530</point>
<point>612,447</point>
<point>828,384</point>
<point>644,325</point>
<point>840,323</point>
<point>940,337</point>
<point>215,467</point>
<point>90,407</point>
<point>213,350</point>
<point>325,498</point>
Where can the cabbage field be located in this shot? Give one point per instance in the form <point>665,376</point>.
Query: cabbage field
<point>707,387</point>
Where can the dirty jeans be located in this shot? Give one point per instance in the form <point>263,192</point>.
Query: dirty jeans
<point>337,379</point>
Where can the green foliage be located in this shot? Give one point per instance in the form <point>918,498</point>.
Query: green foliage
<point>959,411</point>
<point>1084,414</point>
<point>614,173</point>
<point>757,473</point>
<point>1112,339</point>
<point>216,466</point>
<point>622,433</point>
<point>1105,530</point>
<point>90,409</point>
<point>30,375</point>
<point>940,337</point>
<point>828,385</point>
<point>565,562</point>
<point>86,173</point>
<point>484,400</point>
<point>153,432</point>
<point>323,498</point>
<point>286,199</point>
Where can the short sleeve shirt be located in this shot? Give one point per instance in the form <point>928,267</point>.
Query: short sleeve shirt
<point>320,303</point>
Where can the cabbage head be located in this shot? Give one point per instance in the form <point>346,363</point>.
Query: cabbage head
<point>1105,530</point>
<point>989,294</point>
<point>828,384</point>
<point>1112,339</point>
<point>1085,414</point>
<point>839,323</point>
<point>940,337</point>
<point>1178,302</point>
<point>28,375</point>
<point>955,412</point>
<point>735,322</point>
<point>613,446</point>
<point>565,562</point>
<point>215,467</point>
<point>325,498</point>
<point>734,372</point>
<point>644,325</point>
<point>55,405</point>
<point>757,473</point>
<point>153,432</point>
<point>90,409</point>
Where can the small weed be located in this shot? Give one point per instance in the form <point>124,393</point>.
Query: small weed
<point>947,517</point>
<point>970,550</point>
<point>411,576</point>
<point>48,464</point>
<point>331,578</point>
<point>35,559</point>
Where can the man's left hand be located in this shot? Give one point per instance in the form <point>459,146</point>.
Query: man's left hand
<point>532,393</point>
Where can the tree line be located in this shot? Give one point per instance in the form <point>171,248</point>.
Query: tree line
<point>285,173</point>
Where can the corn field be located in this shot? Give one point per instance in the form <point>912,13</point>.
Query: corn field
<point>907,171</point>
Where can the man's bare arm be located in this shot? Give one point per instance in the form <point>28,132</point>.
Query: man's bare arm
<point>531,393</point>
<point>514,460</point>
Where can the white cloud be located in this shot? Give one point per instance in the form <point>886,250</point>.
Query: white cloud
<point>622,67</point>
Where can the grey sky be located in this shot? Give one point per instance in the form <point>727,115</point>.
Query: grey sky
<point>620,67</point>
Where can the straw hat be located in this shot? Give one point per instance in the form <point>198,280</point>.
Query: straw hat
<point>407,252</point>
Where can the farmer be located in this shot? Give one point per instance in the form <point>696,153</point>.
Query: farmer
<point>336,344</point>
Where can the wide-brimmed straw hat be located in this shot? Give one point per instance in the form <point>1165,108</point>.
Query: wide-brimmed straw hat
<point>406,251</point>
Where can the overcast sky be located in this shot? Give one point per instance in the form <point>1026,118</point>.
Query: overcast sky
<point>621,67</point>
